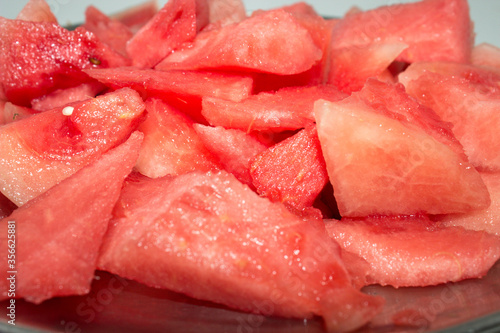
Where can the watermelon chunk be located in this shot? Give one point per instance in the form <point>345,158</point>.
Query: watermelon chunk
<point>65,264</point>
<point>387,155</point>
<point>37,11</point>
<point>137,16</point>
<point>233,148</point>
<point>38,152</point>
<point>174,24</point>
<point>486,219</point>
<point>63,97</point>
<point>434,30</point>
<point>287,109</point>
<point>293,171</point>
<point>212,238</point>
<point>224,12</point>
<point>171,145</point>
<point>11,112</point>
<point>110,31</point>
<point>37,58</point>
<point>414,251</point>
<point>486,55</point>
<point>352,66</point>
<point>264,43</point>
<point>469,98</point>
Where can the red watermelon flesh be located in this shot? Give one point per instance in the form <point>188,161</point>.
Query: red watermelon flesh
<point>183,83</point>
<point>381,163</point>
<point>108,30</point>
<point>37,11</point>
<point>352,66</point>
<point>486,55</point>
<point>137,16</point>
<point>38,152</point>
<point>233,148</point>
<point>293,171</point>
<point>486,219</point>
<point>173,25</point>
<point>76,226</point>
<point>434,30</point>
<point>171,145</point>
<point>63,97</point>
<point>469,98</point>
<point>263,43</point>
<point>287,109</point>
<point>49,56</point>
<point>414,251</point>
<point>211,237</point>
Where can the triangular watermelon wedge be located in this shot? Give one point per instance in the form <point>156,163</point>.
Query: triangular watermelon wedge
<point>57,241</point>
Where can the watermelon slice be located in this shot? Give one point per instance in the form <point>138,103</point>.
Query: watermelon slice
<point>486,219</point>
<point>63,97</point>
<point>38,152</point>
<point>171,145</point>
<point>264,43</point>
<point>469,98</point>
<point>65,264</point>
<point>434,30</point>
<point>233,148</point>
<point>37,11</point>
<point>293,171</point>
<point>110,31</point>
<point>387,155</point>
<point>49,56</point>
<point>352,66</point>
<point>287,109</point>
<point>211,237</point>
<point>174,24</point>
<point>414,251</point>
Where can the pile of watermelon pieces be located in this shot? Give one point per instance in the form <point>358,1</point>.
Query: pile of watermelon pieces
<point>275,162</point>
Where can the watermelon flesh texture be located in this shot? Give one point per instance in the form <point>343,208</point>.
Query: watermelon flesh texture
<point>293,171</point>
<point>414,251</point>
<point>233,148</point>
<point>37,11</point>
<point>50,58</point>
<point>38,152</point>
<point>486,55</point>
<point>466,96</point>
<point>110,31</point>
<point>209,236</point>
<point>486,219</point>
<point>224,12</point>
<point>173,25</point>
<point>65,265</point>
<point>137,16</point>
<point>434,30</point>
<point>171,145</point>
<point>286,109</point>
<point>63,97</point>
<point>264,43</point>
<point>381,163</point>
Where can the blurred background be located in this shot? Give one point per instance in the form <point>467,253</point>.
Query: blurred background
<point>485,13</point>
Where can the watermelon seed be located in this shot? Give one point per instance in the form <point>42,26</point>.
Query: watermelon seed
<point>95,61</point>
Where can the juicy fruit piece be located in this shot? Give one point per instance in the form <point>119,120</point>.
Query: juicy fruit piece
<point>174,24</point>
<point>225,12</point>
<point>37,11</point>
<point>483,220</point>
<point>10,112</point>
<point>76,226</point>
<point>486,55</point>
<point>211,228</point>
<point>181,83</point>
<point>293,171</point>
<point>352,66</point>
<point>414,251</point>
<point>38,152</point>
<point>62,97</point>
<point>233,148</point>
<point>287,109</point>
<point>49,56</point>
<point>381,163</point>
<point>108,30</point>
<point>434,30</point>
<point>137,16</point>
<point>171,145</point>
<point>264,43</point>
<point>469,98</point>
